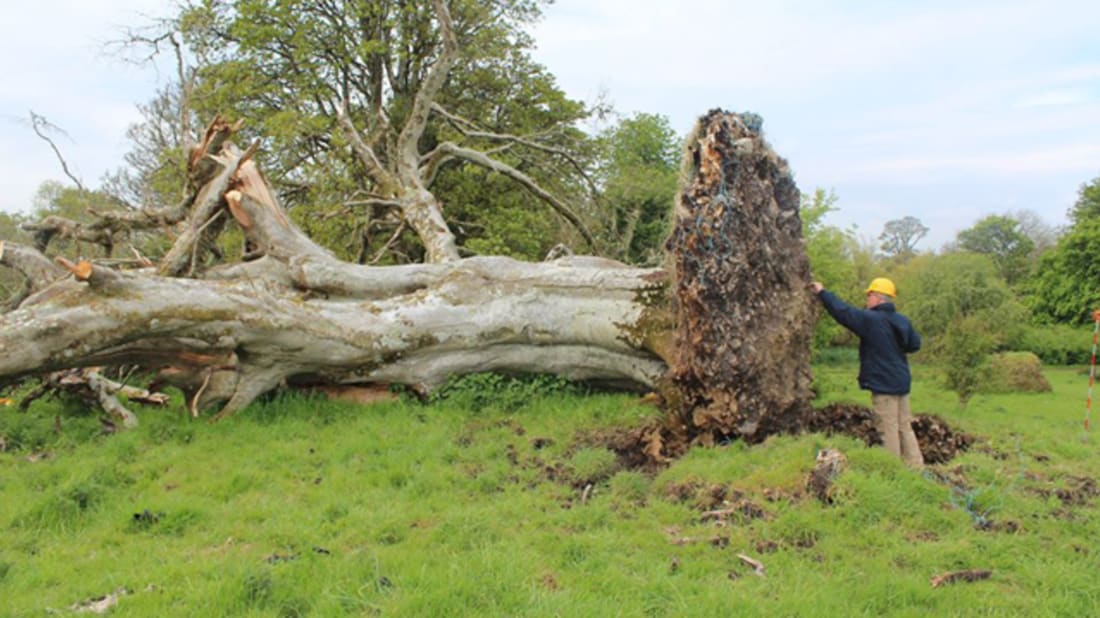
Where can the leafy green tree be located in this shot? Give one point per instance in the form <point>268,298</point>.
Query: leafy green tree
<point>938,290</point>
<point>1087,206</point>
<point>290,69</point>
<point>11,282</point>
<point>1000,238</point>
<point>10,227</point>
<point>900,237</point>
<point>638,173</point>
<point>833,254</point>
<point>964,311</point>
<point>1066,287</point>
<point>967,345</point>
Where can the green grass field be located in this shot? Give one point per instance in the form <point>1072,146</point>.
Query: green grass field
<point>478,507</point>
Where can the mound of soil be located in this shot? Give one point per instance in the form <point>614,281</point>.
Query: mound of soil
<point>938,442</point>
<point>651,447</point>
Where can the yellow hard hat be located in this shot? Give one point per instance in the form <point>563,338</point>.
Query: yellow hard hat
<point>883,285</point>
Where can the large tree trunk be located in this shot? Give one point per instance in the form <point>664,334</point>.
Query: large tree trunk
<point>725,340</point>
<point>271,321</point>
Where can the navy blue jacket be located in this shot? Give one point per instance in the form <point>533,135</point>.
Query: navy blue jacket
<point>885,337</point>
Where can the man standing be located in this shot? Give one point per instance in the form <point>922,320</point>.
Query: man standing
<point>885,338</point>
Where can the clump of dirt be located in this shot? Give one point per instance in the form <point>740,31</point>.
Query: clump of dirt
<point>819,483</point>
<point>845,419</point>
<point>1080,491</point>
<point>702,495</point>
<point>651,447</point>
<point>740,511</point>
<point>647,448</point>
<point>938,442</point>
<point>1008,526</point>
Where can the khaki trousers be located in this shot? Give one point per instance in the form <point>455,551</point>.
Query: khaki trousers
<point>894,423</point>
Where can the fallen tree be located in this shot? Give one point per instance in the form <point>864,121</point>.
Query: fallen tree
<point>722,333</point>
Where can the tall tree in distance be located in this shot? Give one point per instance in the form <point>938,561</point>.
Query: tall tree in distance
<point>900,237</point>
<point>1043,235</point>
<point>1000,238</point>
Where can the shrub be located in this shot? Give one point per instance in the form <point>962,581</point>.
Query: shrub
<point>1056,344</point>
<point>964,349</point>
<point>1012,372</point>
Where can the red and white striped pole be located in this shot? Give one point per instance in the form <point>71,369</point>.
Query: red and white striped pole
<point>1092,365</point>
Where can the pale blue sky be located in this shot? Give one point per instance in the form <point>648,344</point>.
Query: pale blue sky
<point>947,111</point>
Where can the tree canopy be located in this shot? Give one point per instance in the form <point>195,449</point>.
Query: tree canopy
<point>1001,239</point>
<point>900,236</point>
<point>1066,287</point>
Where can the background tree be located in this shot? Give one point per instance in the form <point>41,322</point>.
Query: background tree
<point>833,255</point>
<point>1066,287</point>
<point>1087,206</point>
<point>965,356</point>
<point>1001,239</point>
<point>900,237</point>
<point>936,290</point>
<point>638,175</point>
<point>964,311</point>
<point>12,284</point>
<point>1043,235</point>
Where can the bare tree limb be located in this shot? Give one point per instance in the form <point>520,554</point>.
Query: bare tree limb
<point>109,401</point>
<point>210,161</point>
<point>54,226</point>
<point>31,263</point>
<point>372,202</point>
<point>409,138</point>
<point>40,125</point>
<point>389,243</point>
<point>366,154</point>
<point>469,129</point>
<point>187,83</point>
<point>480,158</point>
